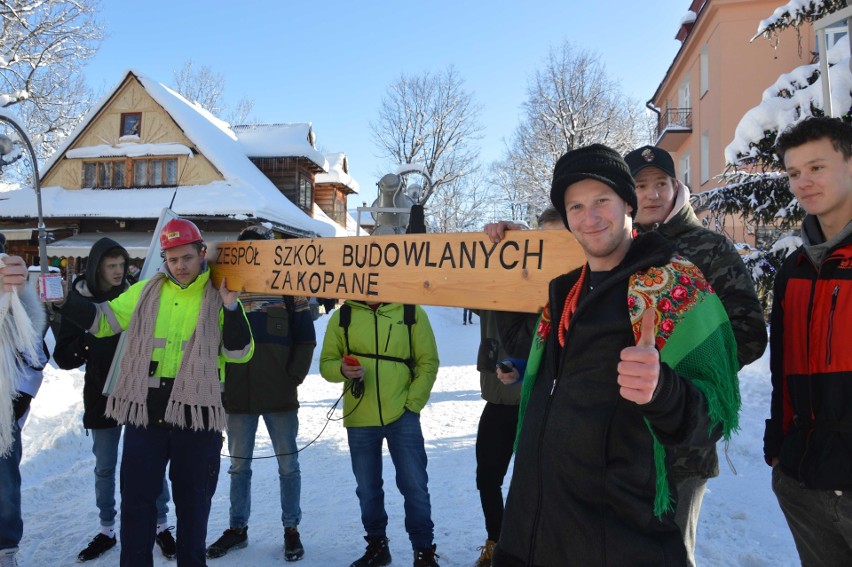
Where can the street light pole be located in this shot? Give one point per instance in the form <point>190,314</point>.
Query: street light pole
<point>5,148</point>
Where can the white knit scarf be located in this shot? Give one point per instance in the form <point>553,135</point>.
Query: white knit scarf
<point>197,382</point>
<point>20,339</point>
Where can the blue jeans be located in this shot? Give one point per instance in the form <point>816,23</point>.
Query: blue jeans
<point>193,461</point>
<point>283,428</point>
<point>11,524</point>
<point>105,450</point>
<point>407,451</point>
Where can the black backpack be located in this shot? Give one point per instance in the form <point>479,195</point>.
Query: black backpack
<point>408,317</point>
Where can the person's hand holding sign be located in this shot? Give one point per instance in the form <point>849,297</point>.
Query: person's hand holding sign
<point>639,369</point>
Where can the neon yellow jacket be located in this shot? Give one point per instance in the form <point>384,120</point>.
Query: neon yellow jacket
<point>176,321</point>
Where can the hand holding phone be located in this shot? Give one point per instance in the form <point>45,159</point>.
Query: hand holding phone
<point>356,387</point>
<point>505,366</point>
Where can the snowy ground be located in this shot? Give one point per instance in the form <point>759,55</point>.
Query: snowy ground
<point>741,524</point>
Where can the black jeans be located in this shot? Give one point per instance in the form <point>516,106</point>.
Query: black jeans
<point>494,441</point>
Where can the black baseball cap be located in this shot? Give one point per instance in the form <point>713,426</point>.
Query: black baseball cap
<point>650,156</point>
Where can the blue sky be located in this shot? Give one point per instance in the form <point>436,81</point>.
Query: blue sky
<point>329,63</point>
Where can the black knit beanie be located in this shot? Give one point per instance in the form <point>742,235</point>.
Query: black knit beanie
<point>597,162</point>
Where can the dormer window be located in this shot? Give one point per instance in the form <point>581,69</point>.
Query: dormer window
<point>131,124</point>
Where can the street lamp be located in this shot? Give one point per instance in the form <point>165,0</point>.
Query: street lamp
<point>6,147</point>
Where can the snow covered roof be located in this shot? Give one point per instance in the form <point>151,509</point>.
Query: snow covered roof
<point>244,193</point>
<point>278,140</point>
<point>218,199</point>
<point>338,230</point>
<point>136,243</point>
<point>129,149</point>
<point>338,172</point>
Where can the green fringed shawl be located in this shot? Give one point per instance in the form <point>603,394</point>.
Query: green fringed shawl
<point>694,337</point>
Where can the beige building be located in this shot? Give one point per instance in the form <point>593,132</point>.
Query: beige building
<point>718,74</point>
<point>144,147</point>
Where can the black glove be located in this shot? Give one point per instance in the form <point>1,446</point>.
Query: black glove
<point>21,404</point>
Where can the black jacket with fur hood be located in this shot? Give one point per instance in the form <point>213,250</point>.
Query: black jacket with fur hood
<point>75,346</point>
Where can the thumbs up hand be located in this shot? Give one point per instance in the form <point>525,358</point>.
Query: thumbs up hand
<point>639,369</point>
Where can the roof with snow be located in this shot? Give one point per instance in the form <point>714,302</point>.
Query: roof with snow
<point>277,140</point>
<point>351,226</point>
<point>244,193</point>
<point>338,172</point>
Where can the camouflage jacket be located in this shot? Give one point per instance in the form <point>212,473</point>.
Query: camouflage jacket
<point>723,267</point>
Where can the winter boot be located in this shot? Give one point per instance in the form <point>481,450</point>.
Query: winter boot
<point>426,557</point>
<point>377,553</point>
<point>97,547</point>
<point>293,550</point>
<point>7,557</point>
<point>486,552</point>
<point>166,542</point>
<point>232,538</point>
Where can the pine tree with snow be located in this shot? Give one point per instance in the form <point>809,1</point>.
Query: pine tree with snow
<point>756,188</point>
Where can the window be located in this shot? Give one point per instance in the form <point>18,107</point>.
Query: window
<point>705,70</point>
<point>89,174</point>
<point>833,34</point>
<point>683,94</point>
<point>705,157</point>
<point>118,174</point>
<point>171,171</point>
<point>340,209</point>
<point>155,172</point>
<point>683,166</point>
<point>306,193</point>
<point>140,173</point>
<point>131,123</point>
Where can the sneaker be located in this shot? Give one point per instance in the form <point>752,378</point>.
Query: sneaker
<point>293,550</point>
<point>377,553</point>
<point>426,557</point>
<point>486,552</point>
<point>232,538</point>
<point>166,542</point>
<point>7,557</point>
<point>97,547</point>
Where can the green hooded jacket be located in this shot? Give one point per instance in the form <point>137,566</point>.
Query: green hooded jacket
<point>390,387</point>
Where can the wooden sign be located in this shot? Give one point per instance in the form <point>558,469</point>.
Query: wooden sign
<point>459,269</point>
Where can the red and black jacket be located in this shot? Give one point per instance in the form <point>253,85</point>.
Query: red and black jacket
<point>810,425</point>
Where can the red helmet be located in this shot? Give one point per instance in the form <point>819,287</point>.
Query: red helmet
<point>178,232</point>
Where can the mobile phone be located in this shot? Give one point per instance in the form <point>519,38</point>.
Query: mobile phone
<point>504,367</point>
<point>349,360</point>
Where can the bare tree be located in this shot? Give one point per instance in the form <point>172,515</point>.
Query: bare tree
<point>207,88</point>
<point>464,205</point>
<point>572,102</point>
<point>432,121</point>
<point>510,201</point>
<point>43,47</point>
